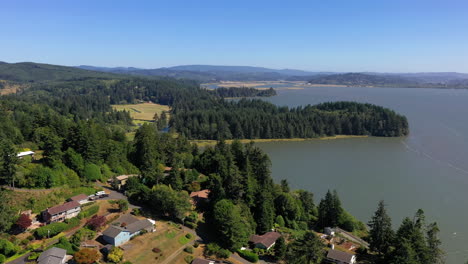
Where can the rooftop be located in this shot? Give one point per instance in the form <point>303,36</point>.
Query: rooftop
<point>133,225</point>
<point>340,256</point>
<point>24,153</point>
<point>79,197</point>
<point>63,207</point>
<point>267,239</point>
<point>52,256</point>
<point>205,261</point>
<point>200,194</point>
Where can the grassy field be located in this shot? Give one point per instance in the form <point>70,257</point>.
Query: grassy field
<point>142,112</point>
<point>168,238</point>
<point>205,143</point>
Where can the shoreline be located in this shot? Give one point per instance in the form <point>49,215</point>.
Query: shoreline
<point>209,142</point>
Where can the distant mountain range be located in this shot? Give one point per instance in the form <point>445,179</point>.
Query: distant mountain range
<point>37,72</point>
<point>212,73</point>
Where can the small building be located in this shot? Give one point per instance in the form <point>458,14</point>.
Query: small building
<point>205,261</point>
<point>80,198</point>
<point>119,182</point>
<point>265,241</point>
<point>340,257</point>
<point>53,256</point>
<point>25,154</point>
<point>200,196</point>
<point>126,228</point>
<point>61,212</point>
<point>329,231</point>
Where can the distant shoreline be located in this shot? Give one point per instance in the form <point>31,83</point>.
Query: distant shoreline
<point>202,143</point>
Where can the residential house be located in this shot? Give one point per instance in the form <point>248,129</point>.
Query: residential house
<point>53,256</point>
<point>265,241</point>
<point>205,261</point>
<point>340,257</point>
<point>329,231</point>
<point>120,181</point>
<point>61,212</point>
<point>126,227</point>
<point>81,199</point>
<point>200,196</point>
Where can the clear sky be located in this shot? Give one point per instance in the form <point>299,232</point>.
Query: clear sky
<point>318,35</point>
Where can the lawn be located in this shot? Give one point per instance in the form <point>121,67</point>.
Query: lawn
<point>142,112</point>
<point>168,238</point>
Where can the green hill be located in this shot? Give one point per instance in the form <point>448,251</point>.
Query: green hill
<point>385,80</point>
<point>37,72</point>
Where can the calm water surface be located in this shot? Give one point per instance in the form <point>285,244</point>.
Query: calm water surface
<point>428,169</point>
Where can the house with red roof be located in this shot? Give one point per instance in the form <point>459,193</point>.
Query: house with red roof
<point>265,241</point>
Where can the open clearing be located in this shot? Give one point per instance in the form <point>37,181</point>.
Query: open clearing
<point>144,111</point>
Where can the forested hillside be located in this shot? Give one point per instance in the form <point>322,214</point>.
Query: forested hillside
<point>203,114</point>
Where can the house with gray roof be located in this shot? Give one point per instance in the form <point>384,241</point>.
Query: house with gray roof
<point>53,256</point>
<point>340,257</point>
<point>126,227</point>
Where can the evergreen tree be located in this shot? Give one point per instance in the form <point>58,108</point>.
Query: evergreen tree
<point>8,161</point>
<point>433,242</point>
<point>280,248</point>
<point>232,229</point>
<point>381,233</point>
<point>306,250</point>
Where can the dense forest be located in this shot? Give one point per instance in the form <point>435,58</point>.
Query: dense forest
<point>258,119</point>
<point>243,92</point>
<point>203,114</point>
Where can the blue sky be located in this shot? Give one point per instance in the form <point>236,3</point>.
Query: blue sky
<point>325,35</point>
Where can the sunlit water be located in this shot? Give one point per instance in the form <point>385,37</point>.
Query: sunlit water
<point>428,169</point>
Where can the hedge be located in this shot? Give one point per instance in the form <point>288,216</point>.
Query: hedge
<point>89,212</point>
<point>55,228</point>
<point>248,255</point>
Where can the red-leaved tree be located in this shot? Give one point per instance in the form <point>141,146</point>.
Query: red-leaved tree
<point>96,222</point>
<point>24,221</point>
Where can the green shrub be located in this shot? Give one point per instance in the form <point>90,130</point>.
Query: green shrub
<point>7,248</point>
<point>189,249</point>
<point>196,244</point>
<point>89,212</point>
<point>2,259</point>
<point>188,259</point>
<point>215,249</point>
<point>188,235</point>
<point>55,228</point>
<point>72,222</point>
<point>248,255</point>
<point>190,225</point>
<point>65,244</point>
<point>33,256</point>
